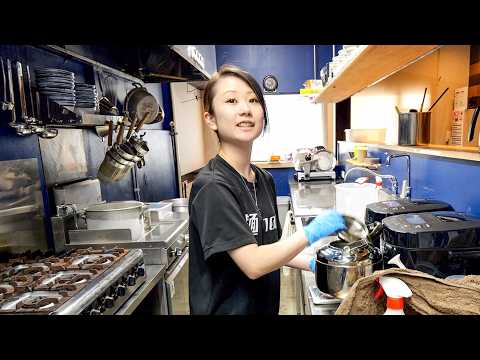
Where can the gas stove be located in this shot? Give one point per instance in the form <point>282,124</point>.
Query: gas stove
<point>81,281</point>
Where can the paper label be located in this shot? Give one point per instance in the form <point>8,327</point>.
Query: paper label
<point>457,127</point>
<point>461,98</point>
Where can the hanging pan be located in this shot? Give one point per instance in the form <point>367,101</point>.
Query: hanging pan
<point>139,102</point>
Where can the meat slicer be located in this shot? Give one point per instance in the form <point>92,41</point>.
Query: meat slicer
<point>314,164</point>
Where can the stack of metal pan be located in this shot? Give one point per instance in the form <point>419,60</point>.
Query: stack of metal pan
<point>86,96</point>
<point>123,155</point>
<point>57,84</point>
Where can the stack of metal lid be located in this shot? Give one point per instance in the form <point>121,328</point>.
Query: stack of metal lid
<point>57,84</point>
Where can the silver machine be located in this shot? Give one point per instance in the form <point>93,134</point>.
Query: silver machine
<point>162,237</point>
<point>314,164</point>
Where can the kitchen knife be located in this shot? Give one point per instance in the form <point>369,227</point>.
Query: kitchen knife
<point>21,90</point>
<point>4,86</point>
<point>37,102</point>
<point>30,95</point>
<point>10,90</point>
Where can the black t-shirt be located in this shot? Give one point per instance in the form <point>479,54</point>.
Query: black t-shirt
<point>223,217</point>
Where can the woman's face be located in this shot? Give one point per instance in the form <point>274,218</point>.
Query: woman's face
<point>237,114</point>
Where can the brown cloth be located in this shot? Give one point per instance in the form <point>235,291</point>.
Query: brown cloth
<point>431,295</point>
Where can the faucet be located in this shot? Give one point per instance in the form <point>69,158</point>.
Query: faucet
<point>406,188</point>
<point>393,179</point>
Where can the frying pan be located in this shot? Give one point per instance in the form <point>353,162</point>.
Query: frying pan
<point>139,101</point>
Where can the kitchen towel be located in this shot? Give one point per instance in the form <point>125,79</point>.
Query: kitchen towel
<point>431,295</point>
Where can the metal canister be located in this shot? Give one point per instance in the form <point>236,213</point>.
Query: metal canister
<point>407,128</point>
<point>414,128</point>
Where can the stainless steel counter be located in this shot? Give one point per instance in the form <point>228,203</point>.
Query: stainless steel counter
<point>154,276</point>
<point>309,198</point>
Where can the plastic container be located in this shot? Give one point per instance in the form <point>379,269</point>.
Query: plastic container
<point>396,290</point>
<point>352,198</point>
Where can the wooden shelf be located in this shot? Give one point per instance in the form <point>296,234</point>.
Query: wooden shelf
<point>372,64</point>
<point>449,151</point>
<point>274,164</point>
<point>363,164</point>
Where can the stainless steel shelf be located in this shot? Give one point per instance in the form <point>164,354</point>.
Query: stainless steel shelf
<point>64,52</point>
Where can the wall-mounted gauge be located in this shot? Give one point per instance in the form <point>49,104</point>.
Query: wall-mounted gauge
<point>270,83</point>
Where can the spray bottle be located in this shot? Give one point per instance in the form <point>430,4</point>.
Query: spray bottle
<point>396,290</point>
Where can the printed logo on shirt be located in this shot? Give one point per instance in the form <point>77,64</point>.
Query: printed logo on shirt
<point>252,221</point>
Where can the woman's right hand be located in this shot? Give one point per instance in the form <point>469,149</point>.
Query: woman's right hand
<point>326,223</point>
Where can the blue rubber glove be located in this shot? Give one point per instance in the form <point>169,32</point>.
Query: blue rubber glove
<point>311,264</point>
<point>323,225</point>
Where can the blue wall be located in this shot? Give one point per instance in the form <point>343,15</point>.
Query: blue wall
<point>456,182</point>
<point>281,177</point>
<point>323,55</point>
<point>290,64</point>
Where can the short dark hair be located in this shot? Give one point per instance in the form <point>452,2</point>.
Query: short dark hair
<point>232,70</point>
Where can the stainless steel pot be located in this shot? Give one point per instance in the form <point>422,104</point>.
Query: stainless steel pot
<point>341,263</point>
<point>117,215</point>
<point>178,204</point>
<point>111,170</point>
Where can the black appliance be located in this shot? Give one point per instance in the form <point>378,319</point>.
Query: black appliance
<point>380,210</point>
<point>440,243</point>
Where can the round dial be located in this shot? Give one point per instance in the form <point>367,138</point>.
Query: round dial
<point>326,161</point>
<point>270,83</point>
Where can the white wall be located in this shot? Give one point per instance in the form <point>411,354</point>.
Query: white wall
<point>187,114</point>
<point>294,122</point>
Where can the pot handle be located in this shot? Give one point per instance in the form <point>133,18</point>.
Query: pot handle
<point>137,85</point>
<point>377,227</point>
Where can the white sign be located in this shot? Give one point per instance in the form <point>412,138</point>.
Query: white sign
<point>196,56</point>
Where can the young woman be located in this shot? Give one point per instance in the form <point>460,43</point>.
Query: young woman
<point>235,255</point>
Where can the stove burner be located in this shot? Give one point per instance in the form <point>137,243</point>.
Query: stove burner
<point>26,269</point>
<point>95,261</point>
<point>6,290</point>
<point>41,302</point>
<point>66,280</point>
<point>30,284</point>
<point>33,301</point>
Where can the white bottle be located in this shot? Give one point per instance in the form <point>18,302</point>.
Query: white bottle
<point>396,290</point>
